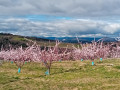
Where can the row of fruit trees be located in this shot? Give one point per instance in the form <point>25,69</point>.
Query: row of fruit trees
<point>49,55</point>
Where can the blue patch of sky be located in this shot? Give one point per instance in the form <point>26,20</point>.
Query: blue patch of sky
<point>44,18</point>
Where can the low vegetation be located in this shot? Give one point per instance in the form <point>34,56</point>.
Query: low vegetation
<point>65,75</point>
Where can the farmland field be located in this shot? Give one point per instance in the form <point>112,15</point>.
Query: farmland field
<point>65,75</point>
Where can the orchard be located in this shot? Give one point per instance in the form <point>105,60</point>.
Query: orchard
<point>86,66</point>
<point>49,55</point>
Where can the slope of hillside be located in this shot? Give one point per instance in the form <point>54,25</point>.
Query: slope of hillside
<point>7,39</point>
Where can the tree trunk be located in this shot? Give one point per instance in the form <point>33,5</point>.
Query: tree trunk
<point>49,70</point>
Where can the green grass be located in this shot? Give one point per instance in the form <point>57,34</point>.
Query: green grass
<point>65,75</point>
<point>19,39</point>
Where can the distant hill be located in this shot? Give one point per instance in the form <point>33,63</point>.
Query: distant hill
<point>81,39</point>
<point>7,40</point>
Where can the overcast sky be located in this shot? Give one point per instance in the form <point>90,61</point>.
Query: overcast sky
<point>84,18</point>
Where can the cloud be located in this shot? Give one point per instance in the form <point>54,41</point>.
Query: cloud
<point>63,27</point>
<point>71,8</point>
<point>60,17</point>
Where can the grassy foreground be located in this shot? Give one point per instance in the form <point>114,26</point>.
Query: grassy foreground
<point>65,75</point>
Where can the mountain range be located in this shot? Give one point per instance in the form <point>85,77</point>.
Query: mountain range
<point>81,39</point>
<point>7,39</point>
